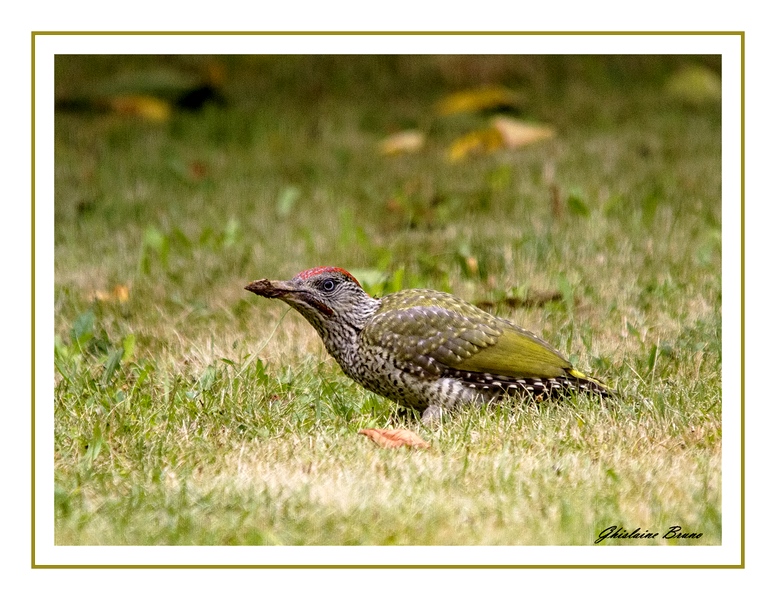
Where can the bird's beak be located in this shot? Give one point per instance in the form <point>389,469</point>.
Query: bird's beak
<point>270,289</point>
<point>293,295</point>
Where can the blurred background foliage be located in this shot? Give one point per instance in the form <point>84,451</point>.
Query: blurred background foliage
<point>179,178</point>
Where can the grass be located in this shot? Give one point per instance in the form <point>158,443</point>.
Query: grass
<point>188,411</point>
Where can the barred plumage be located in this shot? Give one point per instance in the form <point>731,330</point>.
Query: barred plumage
<point>425,349</point>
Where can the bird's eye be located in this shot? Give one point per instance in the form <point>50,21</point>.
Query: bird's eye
<point>328,285</point>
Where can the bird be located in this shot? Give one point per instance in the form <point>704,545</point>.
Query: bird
<point>424,349</point>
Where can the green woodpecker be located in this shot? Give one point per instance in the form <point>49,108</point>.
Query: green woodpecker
<point>424,349</point>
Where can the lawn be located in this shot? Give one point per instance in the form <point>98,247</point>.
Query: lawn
<point>189,411</point>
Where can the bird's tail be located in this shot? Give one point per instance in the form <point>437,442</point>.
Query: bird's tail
<point>585,383</point>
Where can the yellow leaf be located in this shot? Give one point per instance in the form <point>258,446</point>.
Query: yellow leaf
<point>504,132</point>
<point>395,438</point>
<point>474,142</point>
<point>119,293</point>
<point>516,133</point>
<point>410,140</point>
<point>147,107</point>
<point>474,100</point>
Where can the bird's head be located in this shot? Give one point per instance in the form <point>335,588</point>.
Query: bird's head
<point>323,295</point>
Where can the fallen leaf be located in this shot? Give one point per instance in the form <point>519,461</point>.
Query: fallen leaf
<point>516,133</point>
<point>119,293</point>
<point>395,438</point>
<point>407,141</point>
<point>503,133</point>
<point>478,99</point>
<point>474,142</point>
<point>146,107</point>
<point>150,93</point>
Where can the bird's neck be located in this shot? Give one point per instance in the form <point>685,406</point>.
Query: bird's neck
<point>340,332</point>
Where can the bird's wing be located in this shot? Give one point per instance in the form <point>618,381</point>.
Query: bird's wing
<point>429,339</point>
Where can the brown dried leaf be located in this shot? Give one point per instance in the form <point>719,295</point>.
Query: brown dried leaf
<point>395,438</point>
